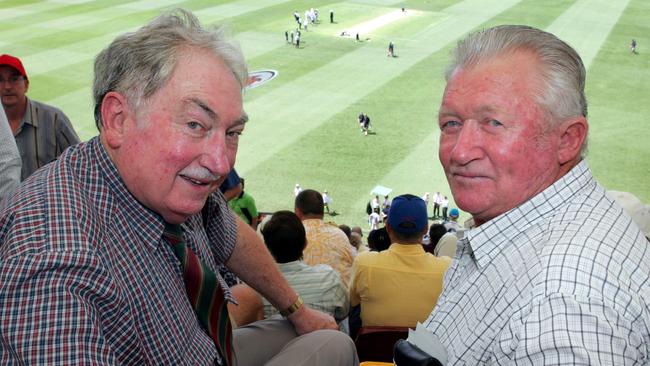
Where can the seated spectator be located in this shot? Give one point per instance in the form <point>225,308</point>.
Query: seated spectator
<point>244,206</point>
<point>441,242</point>
<point>399,286</point>
<point>326,243</point>
<point>452,225</point>
<point>378,240</point>
<point>320,286</point>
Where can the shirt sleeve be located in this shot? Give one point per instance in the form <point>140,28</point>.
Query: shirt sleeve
<point>569,330</point>
<point>10,162</point>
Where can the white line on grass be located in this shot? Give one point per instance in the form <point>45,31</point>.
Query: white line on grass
<point>378,22</point>
<point>586,25</point>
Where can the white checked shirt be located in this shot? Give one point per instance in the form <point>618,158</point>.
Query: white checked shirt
<point>563,279</point>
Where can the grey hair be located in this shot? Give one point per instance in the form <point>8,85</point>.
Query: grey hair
<point>138,64</point>
<point>562,72</point>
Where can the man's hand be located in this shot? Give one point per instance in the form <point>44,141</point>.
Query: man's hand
<point>307,320</point>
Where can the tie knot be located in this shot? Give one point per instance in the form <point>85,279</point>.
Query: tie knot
<point>173,232</point>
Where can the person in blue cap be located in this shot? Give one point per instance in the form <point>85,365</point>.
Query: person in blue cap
<point>400,285</point>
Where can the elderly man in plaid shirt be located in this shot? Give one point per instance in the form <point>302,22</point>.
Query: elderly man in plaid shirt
<point>110,254</point>
<point>553,272</point>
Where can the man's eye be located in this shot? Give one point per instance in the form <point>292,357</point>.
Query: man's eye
<point>495,123</point>
<point>193,125</point>
<point>234,133</point>
<point>449,124</point>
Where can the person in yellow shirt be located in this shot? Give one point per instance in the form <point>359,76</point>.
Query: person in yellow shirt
<point>399,286</point>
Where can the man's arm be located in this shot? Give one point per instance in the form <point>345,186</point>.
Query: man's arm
<point>252,262</point>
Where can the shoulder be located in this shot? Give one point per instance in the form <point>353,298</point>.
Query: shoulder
<point>46,108</point>
<point>591,248</point>
<point>52,209</point>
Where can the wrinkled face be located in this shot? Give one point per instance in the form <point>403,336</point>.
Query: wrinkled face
<point>13,87</point>
<point>493,146</point>
<point>184,139</point>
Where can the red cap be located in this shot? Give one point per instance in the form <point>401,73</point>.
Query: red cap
<point>13,62</point>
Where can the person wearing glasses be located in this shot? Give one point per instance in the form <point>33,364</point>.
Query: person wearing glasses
<point>42,131</point>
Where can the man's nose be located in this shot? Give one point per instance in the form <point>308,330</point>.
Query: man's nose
<point>467,146</point>
<point>215,157</point>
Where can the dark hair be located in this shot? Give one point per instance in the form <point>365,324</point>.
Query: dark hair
<point>378,240</point>
<point>346,229</point>
<point>285,236</point>
<point>310,202</point>
<point>436,231</point>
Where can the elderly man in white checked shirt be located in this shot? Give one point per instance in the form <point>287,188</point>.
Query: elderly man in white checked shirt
<point>554,272</point>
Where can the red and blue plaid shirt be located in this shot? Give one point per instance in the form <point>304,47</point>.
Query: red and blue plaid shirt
<point>86,278</point>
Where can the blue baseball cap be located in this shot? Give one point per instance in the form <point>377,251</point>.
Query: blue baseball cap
<point>408,214</point>
<point>454,212</point>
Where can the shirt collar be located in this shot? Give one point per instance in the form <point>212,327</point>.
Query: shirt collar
<point>149,223</point>
<point>488,240</point>
<point>292,266</point>
<point>27,117</point>
<point>406,248</point>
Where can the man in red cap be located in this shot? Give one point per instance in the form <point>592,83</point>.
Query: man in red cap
<point>42,132</point>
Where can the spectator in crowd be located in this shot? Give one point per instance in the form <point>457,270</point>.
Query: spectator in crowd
<point>357,243</point>
<point>346,230</point>
<point>452,225</point>
<point>231,187</point>
<point>378,240</point>
<point>244,206</point>
<point>42,131</point>
<point>9,159</point>
<point>326,243</point>
<point>553,271</point>
<point>357,229</point>
<point>320,286</point>
<point>399,286</point>
<point>103,240</point>
<point>441,242</point>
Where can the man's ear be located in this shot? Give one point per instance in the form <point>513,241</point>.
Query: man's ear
<point>573,134</point>
<point>115,112</point>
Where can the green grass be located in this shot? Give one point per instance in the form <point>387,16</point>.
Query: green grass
<point>303,124</point>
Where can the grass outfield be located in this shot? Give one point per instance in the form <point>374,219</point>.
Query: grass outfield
<point>303,123</point>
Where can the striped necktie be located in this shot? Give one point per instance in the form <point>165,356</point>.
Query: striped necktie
<point>204,292</point>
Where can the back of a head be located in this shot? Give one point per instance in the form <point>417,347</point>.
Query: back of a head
<point>436,231</point>
<point>378,240</point>
<point>137,64</point>
<point>310,202</point>
<point>285,236</point>
<point>562,72</point>
<point>346,229</point>
<point>407,218</point>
